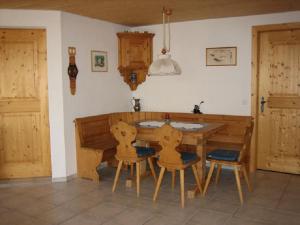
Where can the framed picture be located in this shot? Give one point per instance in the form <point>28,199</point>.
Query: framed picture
<point>99,61</point>
<point>222,56</point>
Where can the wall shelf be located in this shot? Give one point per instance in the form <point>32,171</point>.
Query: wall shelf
<point>135,56</point>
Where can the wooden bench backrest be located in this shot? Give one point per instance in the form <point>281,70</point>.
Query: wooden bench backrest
<point>94,132</point>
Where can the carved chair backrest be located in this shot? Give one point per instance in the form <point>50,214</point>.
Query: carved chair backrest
<point>169,138</point>
<point>125,134</point>
<point>247,142</point>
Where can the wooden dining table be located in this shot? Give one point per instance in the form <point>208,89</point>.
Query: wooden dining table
<point>196,137</point>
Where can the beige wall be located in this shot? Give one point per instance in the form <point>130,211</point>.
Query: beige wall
<point>97,92</point>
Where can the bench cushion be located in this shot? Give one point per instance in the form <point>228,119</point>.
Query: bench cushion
<point>224,154</point>
<point>144,151</point>
<point>188,157</point>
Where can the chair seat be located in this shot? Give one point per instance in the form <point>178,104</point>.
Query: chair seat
<point>224,154</point>
<point>188,157</point>
<point>144,151</point>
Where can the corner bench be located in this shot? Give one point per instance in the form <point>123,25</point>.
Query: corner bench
<point>95,143</point>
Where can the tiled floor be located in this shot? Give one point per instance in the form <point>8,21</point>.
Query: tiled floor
<point>275,200</point>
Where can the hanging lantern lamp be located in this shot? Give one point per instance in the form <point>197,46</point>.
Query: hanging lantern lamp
<point>165,65</point>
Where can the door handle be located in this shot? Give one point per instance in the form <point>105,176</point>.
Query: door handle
<point>262,104</point>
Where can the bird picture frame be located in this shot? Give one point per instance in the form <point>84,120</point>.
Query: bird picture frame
<point>221,56</point>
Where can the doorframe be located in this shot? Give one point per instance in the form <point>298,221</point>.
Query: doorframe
<point>256,30</point>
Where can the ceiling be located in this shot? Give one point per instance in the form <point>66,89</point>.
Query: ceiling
<point>145,12</point>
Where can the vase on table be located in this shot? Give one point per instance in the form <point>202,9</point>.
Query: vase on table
<point>136,104</point>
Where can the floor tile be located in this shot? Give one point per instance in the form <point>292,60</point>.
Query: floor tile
<point>104,212</point>
<point>222,206</point>
<point>3,210</point>
<point>5,193</point>
<point>59,198</point>
<point>14,218</point>
<point>81,203</point>
<point>82,219</point>
<point>269,201</point>
<point>290,202</point>
<point>41,191</point>
<point>261,214</point>
<point>158,219</point>
<point>209,217</point>
<point>16,201</point>
<point>35,208</point>
<point>131,216</point>
<point>242,221</point>
<point>57,215</point>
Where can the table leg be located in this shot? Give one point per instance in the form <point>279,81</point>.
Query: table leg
<point>201,168</point>
<point>201,165</point>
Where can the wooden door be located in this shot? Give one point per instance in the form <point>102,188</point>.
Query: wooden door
<point>24,128</point>
<point>278,136</point>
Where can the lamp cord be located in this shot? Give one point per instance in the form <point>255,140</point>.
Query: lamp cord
<point>169,34</point>
<point>166,41</point>
<point>164,31</point>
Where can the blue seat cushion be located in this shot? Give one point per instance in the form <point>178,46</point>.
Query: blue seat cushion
<point>188,157</point>
<point>144,151</point>
<point>224,154</point>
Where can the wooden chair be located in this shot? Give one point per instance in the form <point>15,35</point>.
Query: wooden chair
<point>169,158</point>
<point>125,134</point>
<point>234,158</point>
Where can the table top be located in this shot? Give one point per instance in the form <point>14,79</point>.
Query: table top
<point>184,126</point>
<point>192,132</point>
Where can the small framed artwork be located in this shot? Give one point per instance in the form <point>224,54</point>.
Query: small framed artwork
<point>99,61</point>
<point>221,56</point>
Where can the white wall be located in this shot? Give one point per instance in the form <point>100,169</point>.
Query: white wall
<point>51,21</point>
<point>225,89</point>
<point>97,92</point>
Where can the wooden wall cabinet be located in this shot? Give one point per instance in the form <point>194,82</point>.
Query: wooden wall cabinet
<point>135,56</point>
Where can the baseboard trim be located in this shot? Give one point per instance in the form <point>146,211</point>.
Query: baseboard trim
<point>63,179</point>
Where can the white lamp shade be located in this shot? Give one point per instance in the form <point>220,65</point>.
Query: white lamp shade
<point>164,65</point>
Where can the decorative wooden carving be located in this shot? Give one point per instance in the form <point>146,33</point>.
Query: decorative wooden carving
<point>72,69</point>
<point>135,56</point>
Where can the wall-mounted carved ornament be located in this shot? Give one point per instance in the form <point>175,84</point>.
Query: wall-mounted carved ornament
<point>72,69</point>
